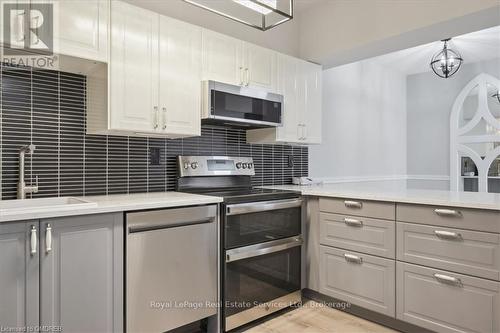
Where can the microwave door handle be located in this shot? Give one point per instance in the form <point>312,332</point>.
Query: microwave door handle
<point>257,250</point>
<point>238,209</point>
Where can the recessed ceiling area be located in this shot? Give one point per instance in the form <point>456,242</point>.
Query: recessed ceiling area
<point>474,47</point>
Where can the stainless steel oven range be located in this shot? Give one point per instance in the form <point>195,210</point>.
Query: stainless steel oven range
<point>261,237</point>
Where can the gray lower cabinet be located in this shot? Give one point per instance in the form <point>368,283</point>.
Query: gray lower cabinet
<point>19,275</point>
<point>462,251</point>
<point>81,273</point>
<point>360,279</point>
<point>443,301</point>
<point>362,234</point>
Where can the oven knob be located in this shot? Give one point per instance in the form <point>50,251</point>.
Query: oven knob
<point>244,165</point>
<point>250,165</point>
<point>194,165</point>
<point>238,165</point>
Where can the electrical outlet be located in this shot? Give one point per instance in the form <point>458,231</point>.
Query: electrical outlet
<point>154,155</point>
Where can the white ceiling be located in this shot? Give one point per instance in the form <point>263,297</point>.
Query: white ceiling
<point>474,47</point>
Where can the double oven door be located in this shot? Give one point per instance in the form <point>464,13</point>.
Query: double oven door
<point>262,256</point>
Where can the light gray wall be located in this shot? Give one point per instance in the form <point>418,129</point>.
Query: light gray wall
<point>429,103</point>
<point>364,124</point>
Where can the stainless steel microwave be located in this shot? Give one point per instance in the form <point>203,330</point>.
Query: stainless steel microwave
<point>240,106</point>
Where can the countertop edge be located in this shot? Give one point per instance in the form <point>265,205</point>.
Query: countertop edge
<point>109,208</point>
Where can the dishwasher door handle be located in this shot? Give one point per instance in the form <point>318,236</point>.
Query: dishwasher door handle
<point>159,226</point>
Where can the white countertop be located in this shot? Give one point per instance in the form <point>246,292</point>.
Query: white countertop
<point>114,203</point>
<point>396,192</point>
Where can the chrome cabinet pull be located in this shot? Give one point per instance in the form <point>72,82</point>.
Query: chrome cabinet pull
<point>448,212</point>
<point>353,222</point>
<point>48,238</point>
<point>33,240</point>
<point>155,110</point>
<point>247,72</point>
<point>447,234</point>
<point>353,258</point>
<point>164,118</point>
<point>353,204</point>
<point>241,76</point>
<point>448,279</point>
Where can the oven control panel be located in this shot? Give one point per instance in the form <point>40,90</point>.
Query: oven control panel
<point>190,166</point>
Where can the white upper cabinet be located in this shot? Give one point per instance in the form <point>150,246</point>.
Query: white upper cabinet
<point>299,82</point>
<point>288,68</point>
<point>180,77</point>
<point>134,69</point>
<point>310,100</point>
<point>81,28</point>
<point>232,61</point>
<point>222,58</point>
<point>260,67</point>
<point>154,76</point>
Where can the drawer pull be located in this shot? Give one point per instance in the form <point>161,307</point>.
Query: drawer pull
<point>448,212</point>
<point>353,222</point>
<point>352,258</point>
<point>447,234</point>
<point>448,279</point>
<point>353,204</point>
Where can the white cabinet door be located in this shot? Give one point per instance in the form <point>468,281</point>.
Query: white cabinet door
<point>180,77</point>
<point>288,87</point>
<point>311,113</point>
<point>222,58</point>
<point>82,28</point>
<point>260,67</point>
<point>134,69</point>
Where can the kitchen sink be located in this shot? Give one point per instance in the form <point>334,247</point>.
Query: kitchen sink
<point>43,205</point>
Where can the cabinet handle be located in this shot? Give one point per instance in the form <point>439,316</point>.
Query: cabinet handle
<point>353,222</point>
<point>448,279</point>
<point>155,110</point>
<point>447,234</point>
<point>352,258</point>
<point>164,118</point>
<point>247,72</point>
<point>353,204</point>
<point>33,240</point>
<point>241,76</point>
<point>448,212</point>
<point>48,238</point>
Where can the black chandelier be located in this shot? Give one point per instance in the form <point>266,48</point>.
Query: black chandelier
<point>446,62</point>
<point>497,96</point>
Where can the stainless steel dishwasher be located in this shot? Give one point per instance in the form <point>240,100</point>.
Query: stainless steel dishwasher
<point>171,267</point>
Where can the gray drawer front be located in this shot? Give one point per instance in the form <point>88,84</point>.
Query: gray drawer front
<point>468,252</point>
<point>369,283</point>
<point>375,209</point>
<point>362,234</point>
<point>468,305</point>
<point>472,219</point>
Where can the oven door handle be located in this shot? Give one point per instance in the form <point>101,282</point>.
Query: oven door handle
<point>262,206</point>
<point>262,249</point>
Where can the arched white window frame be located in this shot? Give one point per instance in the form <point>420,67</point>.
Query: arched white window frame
<point>459,139</point>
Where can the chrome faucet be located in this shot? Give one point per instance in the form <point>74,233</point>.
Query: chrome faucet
<point>22,189</point>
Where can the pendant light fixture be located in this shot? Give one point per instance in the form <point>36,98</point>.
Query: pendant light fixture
<point>259,14</point>
<point>497,96</point>
<point>446,62</point>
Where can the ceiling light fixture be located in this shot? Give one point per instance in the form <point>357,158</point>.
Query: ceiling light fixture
<point>446,62</point>
<point>259,14</point>
<point>497,96</point>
